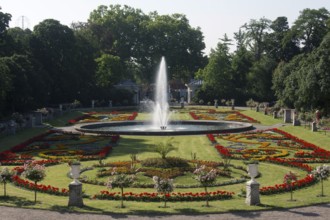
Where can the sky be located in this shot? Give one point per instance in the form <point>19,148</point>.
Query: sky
<point>214,17</point>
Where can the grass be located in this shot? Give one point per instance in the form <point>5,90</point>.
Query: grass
<point>271,174</point>
<point>12,140</point>
<point>264,119</point>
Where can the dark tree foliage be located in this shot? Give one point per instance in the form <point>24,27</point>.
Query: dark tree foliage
<point>56,64</point>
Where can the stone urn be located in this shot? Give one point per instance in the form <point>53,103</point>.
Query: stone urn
<point>252,171</point>
<point>75,173</point>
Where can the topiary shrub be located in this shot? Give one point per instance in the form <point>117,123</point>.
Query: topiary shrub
<point>168,162</point>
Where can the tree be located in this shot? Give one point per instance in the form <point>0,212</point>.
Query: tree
<point>217,75</point>
<point>109,70</point>
<point>121,181</point>
<point>304,82</point>
<point>311,27</point>
<point>241,63</point>
<point>36,173</point>
<point>5,176</point>
<point>256,32</point>
<point>5,84</point>
<point>164,186</point>
<point>20,40</point>
<point>53,45</point>
<point>206,177</point>
<point>279,43</point>
<point>260,79</point>
<point>140,41</point>
<point>4,39</point>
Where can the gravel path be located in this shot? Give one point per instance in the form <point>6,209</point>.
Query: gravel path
<point>318,212</point>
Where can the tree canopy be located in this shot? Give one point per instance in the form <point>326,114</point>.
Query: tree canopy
<point>54,63</point>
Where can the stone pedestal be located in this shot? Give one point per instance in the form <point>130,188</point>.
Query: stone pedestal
<point>75,195</point>
<point>252,193</point>
<point>314,128</point>
<point>61,109</point>
<point>30,121</point>
<point>182,104</point>
<point>257,109</point>
<point>275,114</point>
<point>287,115</point>
<point>295,121</point>
<point>12,127</point>
<point>38,118</point>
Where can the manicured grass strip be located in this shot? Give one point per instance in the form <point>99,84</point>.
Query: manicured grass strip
<point>264,119</point>
<point>21,136</point>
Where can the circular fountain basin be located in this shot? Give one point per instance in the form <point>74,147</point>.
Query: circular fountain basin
<point>173,128</point>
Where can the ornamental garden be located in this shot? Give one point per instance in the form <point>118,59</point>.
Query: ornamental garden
<point>134,174</point>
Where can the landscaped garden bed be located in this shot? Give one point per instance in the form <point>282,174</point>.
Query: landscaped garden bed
<point>224,153</point>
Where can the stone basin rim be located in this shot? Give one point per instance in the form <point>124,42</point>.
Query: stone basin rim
<point>203,124</point>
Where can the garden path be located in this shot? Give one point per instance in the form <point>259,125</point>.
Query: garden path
<point>317,212</point>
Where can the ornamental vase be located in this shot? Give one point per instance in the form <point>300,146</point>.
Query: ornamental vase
<point>252,171</point>
<point>75,173</point>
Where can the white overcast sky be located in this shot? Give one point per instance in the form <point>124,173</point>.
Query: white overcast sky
<point>214,17</point>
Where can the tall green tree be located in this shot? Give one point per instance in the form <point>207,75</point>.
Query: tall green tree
<point>5,85</point>
<point>109,70</point>
<point>241,63</point>
<point>310,28</point>
<point>279,43</point>
<point>20,40</point>
<point>256,32</point>
<point>260,79</point>
<point>217,75</point>
<point>5,46</point>
<point>53,45</point>
<point>140,41</point>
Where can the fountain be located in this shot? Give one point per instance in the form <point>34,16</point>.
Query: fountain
<point>160,123</point>
<point>160,114</point>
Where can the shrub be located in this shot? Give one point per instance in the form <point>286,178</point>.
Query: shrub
<point>165,163</point>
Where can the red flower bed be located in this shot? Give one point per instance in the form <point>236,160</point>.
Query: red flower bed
<point>157,197</point>
<point>223,151</point>
<point>252,120</point>
<point>211,138</point>
<point>18,181</point>
<point>133,116</point>
<point>278,188</point>
<point>193,115</point>
<point>317,151</point>
<point>82,117</point>
<point>289,163</point>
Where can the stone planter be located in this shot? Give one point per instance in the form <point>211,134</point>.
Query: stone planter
<point>252,186</point>
<point>75,173</point>
<point>252,171</point>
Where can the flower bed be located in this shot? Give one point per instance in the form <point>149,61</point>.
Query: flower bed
<point>101,116</point>
<point>171,197</point>
<point>284,187</point>
<point>18,181</point>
